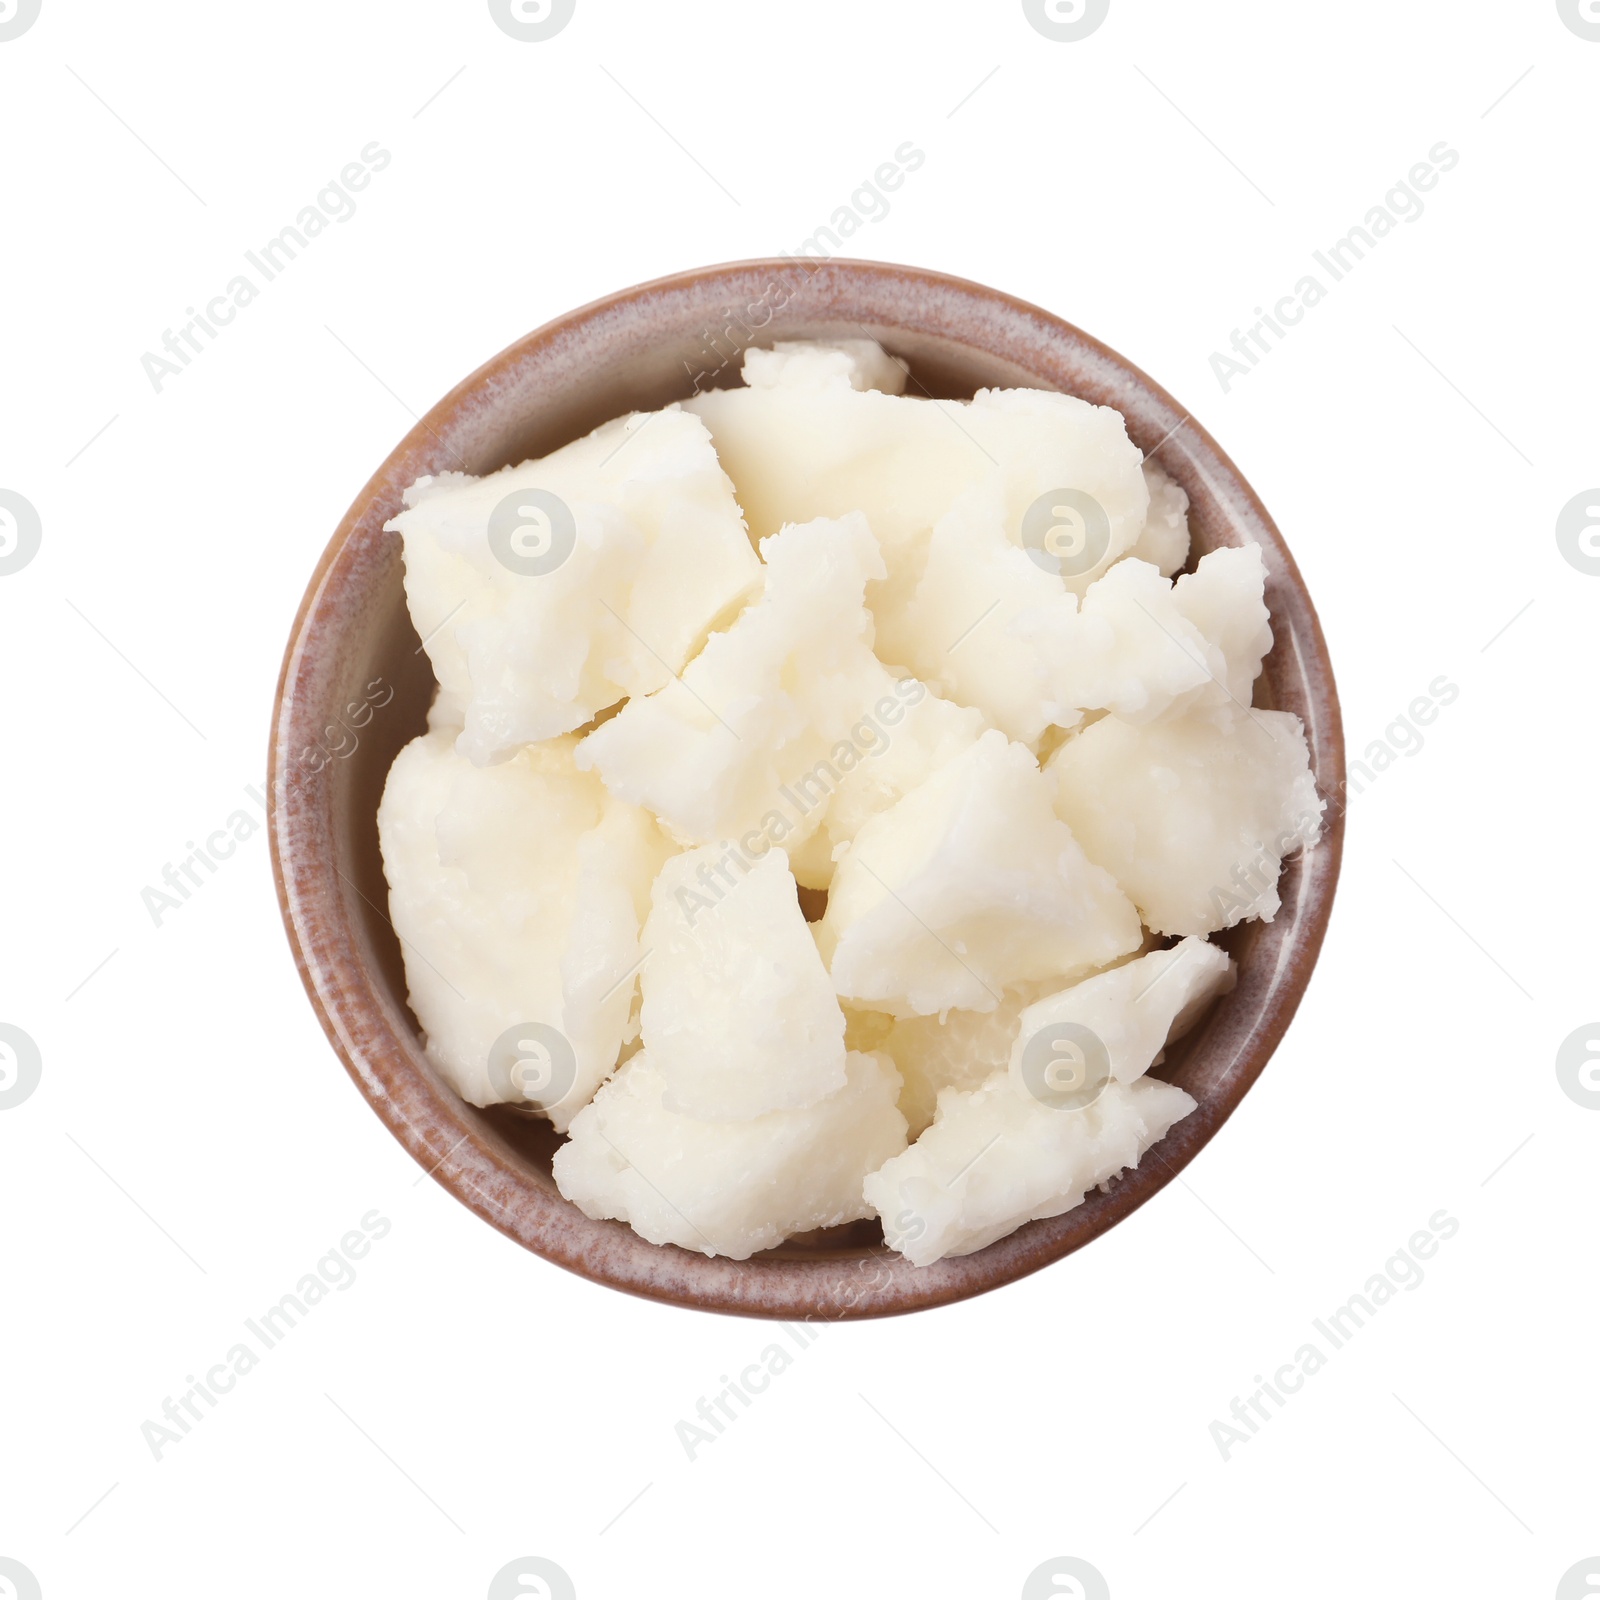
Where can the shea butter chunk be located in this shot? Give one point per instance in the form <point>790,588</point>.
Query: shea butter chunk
<point>728,753</point>
<point>967,886</point>
<point>730,1188</point>
<point>1193,815</point>
<point>962,1049</point>
<point>798,448</point>
<point>1069,1110</point>
<point>1164,539</point>
<point>855,363</point>
<point>547,592</point>
<point>995,1159</point>
<point>955,1050</point>
<point>1130,1014</point>
<point>1224,600</point>
<point>968,630</point>
<point>905,735</point>
<point>739,1015</point>
<point>517,892</point>
<point>990,629</point>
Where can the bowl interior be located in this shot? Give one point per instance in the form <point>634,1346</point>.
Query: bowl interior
<point>355,642</point>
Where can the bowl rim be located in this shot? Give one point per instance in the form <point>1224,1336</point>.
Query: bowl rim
<point>463,1156</point>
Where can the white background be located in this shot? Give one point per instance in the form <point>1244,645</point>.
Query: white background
<point>194,1146</point>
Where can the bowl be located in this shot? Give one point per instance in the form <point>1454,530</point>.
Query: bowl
<point>355,687</point>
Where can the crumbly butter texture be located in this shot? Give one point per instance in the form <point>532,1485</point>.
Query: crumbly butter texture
<point>967,885</point>
<point>517,892</point>
<point>827,799</point>
<point>730,1188</point>
<point>798,445</point>
<point>739,1013</point>
<point>656,553</point>
<point>1004,1153</point>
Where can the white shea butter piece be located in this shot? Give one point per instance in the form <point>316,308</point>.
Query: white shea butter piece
<point>856,363</point>
<point>964,630</point>
<point>1224,600</point>
<point>739,1015</point>
<point>995,1159</point>
<point>546,592</point>
<point>1129,650</point>
<point>517,892</point>
<point>729,753</point>
<point>1131,1012</point>
<point>730,1188</point>
<point>798,449</point>
<point>988,628</point>
<point>1142,648</point>
<point>955,1050</point>
<point>1164,540</point>
<point>903,737</point>
<point>1068,1110</point>
<point>1192,815</point>
<point>965,887</point>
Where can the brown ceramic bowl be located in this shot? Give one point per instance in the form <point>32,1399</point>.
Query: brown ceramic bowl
<point>332,744</point>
